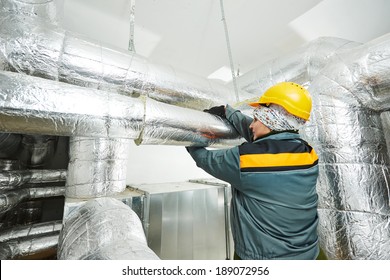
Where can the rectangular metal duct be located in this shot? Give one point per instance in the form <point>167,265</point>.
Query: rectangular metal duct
<point>186,220</point>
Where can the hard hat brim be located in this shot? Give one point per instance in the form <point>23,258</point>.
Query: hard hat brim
<point>254,104</point>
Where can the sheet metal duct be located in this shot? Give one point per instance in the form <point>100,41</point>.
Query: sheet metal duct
<point>103,228</point>
<point>350,96</point>
<point>185,220</point>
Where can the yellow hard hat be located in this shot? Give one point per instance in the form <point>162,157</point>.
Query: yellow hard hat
<point>294,98</point>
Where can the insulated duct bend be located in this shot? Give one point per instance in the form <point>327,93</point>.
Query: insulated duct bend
<point>103,229</point>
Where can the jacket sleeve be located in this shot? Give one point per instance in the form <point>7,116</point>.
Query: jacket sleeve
<point>223,164</point>
<point>240,122</point>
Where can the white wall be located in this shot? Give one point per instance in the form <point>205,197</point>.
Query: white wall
<point>161,164</point>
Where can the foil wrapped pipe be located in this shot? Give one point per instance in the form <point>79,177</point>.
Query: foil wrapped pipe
<point>39,106</point>
<point>37,47</point>
<point>103,228</point>
<point>10,199</point>
<point>24,231</point>
<point>26,247</point>
<point>97,167</point>
<point>300,66</point>
<point>11,179</point>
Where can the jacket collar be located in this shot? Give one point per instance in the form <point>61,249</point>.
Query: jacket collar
<point>279,135</point>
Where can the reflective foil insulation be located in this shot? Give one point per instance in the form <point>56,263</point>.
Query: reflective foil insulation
<point>104,229</point>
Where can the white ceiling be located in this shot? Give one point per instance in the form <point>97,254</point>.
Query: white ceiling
<point>189,34</point>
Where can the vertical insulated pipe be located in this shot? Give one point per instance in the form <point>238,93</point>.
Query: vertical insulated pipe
<point>97,167</point>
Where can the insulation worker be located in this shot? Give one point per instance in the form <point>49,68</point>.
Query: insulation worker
<point>272,176</point>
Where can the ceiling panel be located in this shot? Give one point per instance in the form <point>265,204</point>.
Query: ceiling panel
<point>189,35</point>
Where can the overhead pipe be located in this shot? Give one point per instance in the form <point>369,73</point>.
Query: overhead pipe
<point>40,106</point>
<point>37,47</point>
<point>103,229</point>
<point>348,129</point>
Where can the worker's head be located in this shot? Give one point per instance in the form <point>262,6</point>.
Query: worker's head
<point>284,106</point>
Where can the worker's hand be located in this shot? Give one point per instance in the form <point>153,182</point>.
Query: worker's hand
<point>217,111</point>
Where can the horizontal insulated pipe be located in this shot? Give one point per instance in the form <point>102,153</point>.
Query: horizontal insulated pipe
<point>39,106</point>
<point>27,247</point>
<point>10,199</point>
<point>38,48</point>
<point>16,178</point>
<point>30,231</point>
<point>103,229</point>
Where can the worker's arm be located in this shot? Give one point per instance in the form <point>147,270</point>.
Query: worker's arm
<point>223,164</point>
<point>240,122</point>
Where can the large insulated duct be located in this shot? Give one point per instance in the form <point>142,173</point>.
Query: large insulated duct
<point>103,228</point>
<point>40,106</point>
<point>301,65</point>
<point>37,47</point>
<point>351,97</point>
